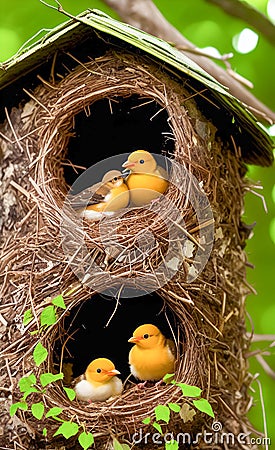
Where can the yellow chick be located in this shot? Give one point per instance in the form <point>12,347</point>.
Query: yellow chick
<point>152,355</point>
<point>99,382</point>
<point>103,198</point>
<point>147,181</point>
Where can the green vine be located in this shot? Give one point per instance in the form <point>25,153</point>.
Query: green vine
<point>30,384</point>
<point>162,413</point>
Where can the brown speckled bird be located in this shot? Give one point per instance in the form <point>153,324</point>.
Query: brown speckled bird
<point>103,198</point>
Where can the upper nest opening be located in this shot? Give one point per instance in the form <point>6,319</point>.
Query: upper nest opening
<point>116,125</point>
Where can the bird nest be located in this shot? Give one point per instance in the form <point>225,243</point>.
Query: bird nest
<point>208,311</point>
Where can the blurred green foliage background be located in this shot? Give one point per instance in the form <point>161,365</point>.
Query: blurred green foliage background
<point>206,26</point>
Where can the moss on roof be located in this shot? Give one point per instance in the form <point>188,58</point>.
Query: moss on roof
<point>65,36</point>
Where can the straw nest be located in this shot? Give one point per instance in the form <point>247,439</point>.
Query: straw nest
<point>209,311</point>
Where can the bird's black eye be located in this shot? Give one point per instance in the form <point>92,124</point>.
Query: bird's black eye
<point>98,370</point>
<point>145,336</point>
<point>141,161</point>
<point>116,178</point>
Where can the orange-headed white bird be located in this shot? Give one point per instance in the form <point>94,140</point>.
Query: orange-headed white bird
<point>99,382</point>
<point>103,198</point>
<point>147,180</point>
<point>153,355</point>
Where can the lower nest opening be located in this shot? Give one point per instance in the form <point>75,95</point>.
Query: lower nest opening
<point>100,327</point>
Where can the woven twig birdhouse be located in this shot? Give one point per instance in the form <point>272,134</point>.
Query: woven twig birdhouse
<point>92,89</point>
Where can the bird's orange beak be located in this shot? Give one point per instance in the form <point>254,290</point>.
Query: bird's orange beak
<point>112,373</point>
<point>128,164</point>
<point>134,339</point>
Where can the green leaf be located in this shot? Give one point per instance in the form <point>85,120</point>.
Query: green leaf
<point>203,405</point>
<point>146,421</point>
<point>45,432</point>
<point>32,333</point>
<point>171,445</point>
<point>48,316</point>
<point>70,393</point>
<point>53,412</point>
<point>67,429</point>
<point>37,410</point>
<point>47,378</point>
<point>157,427</point>
<point>86,440</point>
<point>174,407</point>
<point>28,316</point>
<point>189,391</point>
<point>19,405</point>
<point>40,353</point>
<point>28,392</point>
<point>162,412</point>
<point>168,378</point>
<point>25,383</point>
<point>117,445</point>
<point>59,301</point>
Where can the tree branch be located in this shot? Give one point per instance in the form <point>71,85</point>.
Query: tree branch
<point>242,10</point>
<point>266,366</point>
<point>144,15</point>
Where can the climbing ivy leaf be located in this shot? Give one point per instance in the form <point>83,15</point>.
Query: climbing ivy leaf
<point>174,407</point>
<point>28,392</point>
<point>189,391</point>
<point>168,378</point>
<point>162,412</point>
<point>203,405</point>
<point>171,445</point>
<point>67,429</point>
<point>48,316</point>
<point>40,353</point>
<point>157,427</point>
<point>118,446</point>
<point>37,410</point>
<point>53,412</point>
<point>25,383</point>
<point>86,440</point>
<point>28,316</point>
<point>59,301</point>
<point>146,421</point>
<point>70,393</point>
<point>19,405</point>
<point>47,378</point>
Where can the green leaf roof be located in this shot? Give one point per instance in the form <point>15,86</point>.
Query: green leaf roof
<point>66,35</point>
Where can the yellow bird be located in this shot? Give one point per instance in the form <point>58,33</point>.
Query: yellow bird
<point>103,198</point>
<point>99,382</point>
<point>147,181</point>
<point>152,355</point>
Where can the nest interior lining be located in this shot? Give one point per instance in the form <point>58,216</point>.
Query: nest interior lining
<point>207,327</point>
